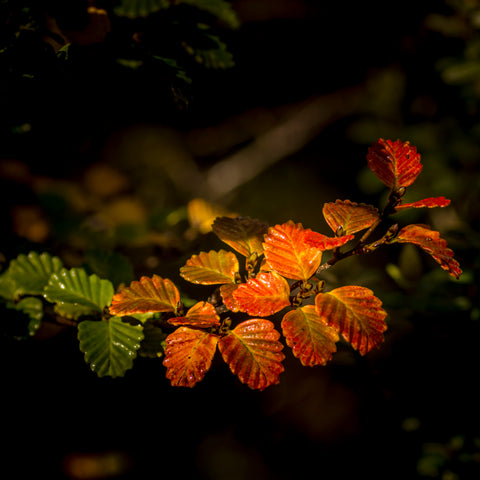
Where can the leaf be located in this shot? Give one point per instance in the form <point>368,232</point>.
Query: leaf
<point>202,315</point>
<point>110,346</point>
<point>153,294</point>
<point>74,286</point>
<point>153,343</point>
<point>243,234</point>
<point>322,242</point>
<point>188,355</point>
<point>395,163</point>
<point>221,9</point>
<point>226,291</point>
<point>349,216</point>
<point>311,340</point>
<point>253,353</point>
<point>33,307</point>
<point>356,314</point>
<point>211,268</point>
<point>139,8</point>
<point>430,202</point>
<point>288,254</point>
<point>263,295</point>
<point>31,272</point>
<point>431,242</point>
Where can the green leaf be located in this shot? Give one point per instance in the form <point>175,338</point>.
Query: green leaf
<point>139,8</point>
<point>220,9</point>
<point>33,307</point>
<point>74,286</point>
<point>215,58</point>
<point>110,346</point>
<point>153,345</point>
<point>31,272</point>
<point>112,265</point>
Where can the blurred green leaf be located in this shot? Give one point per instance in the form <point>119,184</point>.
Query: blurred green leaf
<point>140,8</point>
<point>31,272</point>
<point>110,346</point>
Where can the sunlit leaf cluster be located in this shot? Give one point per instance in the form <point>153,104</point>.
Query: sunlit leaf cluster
<point>262,294</point>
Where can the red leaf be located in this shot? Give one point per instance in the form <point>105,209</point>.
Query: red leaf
<point>430,241</point>
<point>323,242</point>
<point>147,295</point>
<point>311,340</point>
<point>351,217</point>
<point>263,295</point>
<point>188,355</point>
<point>396,164</point>
<point>226,291</point>
<point>356,314</point>
<point>202,315</point>
<point>211,268</point>
<point>287,253</point>
<point>253,353</point>
<point>426,202</point>
<point>243,234</point>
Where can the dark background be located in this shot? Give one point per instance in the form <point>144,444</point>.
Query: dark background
<point>376,416</point>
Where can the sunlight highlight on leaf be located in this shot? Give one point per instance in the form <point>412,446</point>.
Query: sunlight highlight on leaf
<point>351,217</point>
<point>288,254</point>
<point>263,295</point>
<point>202,315</point>
<point>211,268</point>
<point>253,353</point>
<point>243,234</point>
<point>431,242</point>
<point>395,163</point>
<point>430,202</point>
<point>311,339</point>
<point>147,295</point>
<point>356,314</point>
<point>188,355</point>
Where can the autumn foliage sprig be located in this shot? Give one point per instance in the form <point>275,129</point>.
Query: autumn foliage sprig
<point>274,288</point>
<point>279,274</point>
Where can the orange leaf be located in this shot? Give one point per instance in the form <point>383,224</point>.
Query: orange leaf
<point>356,314</point>
<point>288,254</point>
<point>430,241</point>
<point>426,202</point>
<point>188,355</point>
<point>396,164</point>
<point>311,340</point>
<point>263,295</point>
<point>211,268</point>
<point>350,216</point>
<point>243,234</point>
<point>147,295</point>
<point>226,291</point>
<point>323,242</point>
<point>202,315</point>
<point>253,353</point>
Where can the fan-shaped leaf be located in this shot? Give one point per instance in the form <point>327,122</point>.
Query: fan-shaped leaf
<point>431,202</point>
<point>323,242</point>
<point>431,242</point>
<point>395,163</point>
<point>263,295</point>
<point>349,216</point>
<point>288,254</point>
<point>356,314</point>
<point>74,286</point>
<point>153,343</point>
<point>311,340</point>
<point>31,272</point>
<point>243,234</point>
<point>253,353</point>
<point>153,294</point>
<point>211,268</point>
<point>110,346</point>
<point>188,355</point>
<point>202,315</point>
